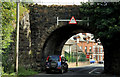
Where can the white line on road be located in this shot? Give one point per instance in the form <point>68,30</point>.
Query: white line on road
<point>93,70</point>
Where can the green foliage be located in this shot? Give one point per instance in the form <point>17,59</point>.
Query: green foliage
<point>8,18</point>
<point>104,18</point>
<point>23,9</point>
<point>7,60</point>
<point>8,26</point>
<point>72,57</point>
<point>82,57</point>
<point>26,3</point>
<point>22,72</point>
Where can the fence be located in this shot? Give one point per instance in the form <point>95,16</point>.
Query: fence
<point>73,64</point>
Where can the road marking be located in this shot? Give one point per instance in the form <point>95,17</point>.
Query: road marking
<point>93,70</point>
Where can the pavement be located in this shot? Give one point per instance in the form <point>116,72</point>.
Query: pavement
<point>92,70</point>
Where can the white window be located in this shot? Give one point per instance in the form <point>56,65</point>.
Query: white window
<point>94,48</point>
<point>90,49</point>
<point>101,50</point>
<point>81,47</point>
<point>98,50</point>
<point>77,40</point>
<point>101,57</point>
<point>86,49</point>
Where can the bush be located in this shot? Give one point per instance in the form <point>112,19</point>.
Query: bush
<point>82,58</point>
<point>21,72</point>
<point>72,57</point>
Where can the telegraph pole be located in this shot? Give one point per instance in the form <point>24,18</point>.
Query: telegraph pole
<point>76,53</point>
<point>75,38</point>
<point>17,42</point>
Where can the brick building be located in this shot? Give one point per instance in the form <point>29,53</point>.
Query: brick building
<point>87,44</point>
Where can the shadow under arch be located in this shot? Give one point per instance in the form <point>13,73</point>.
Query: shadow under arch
<point>55,42</point>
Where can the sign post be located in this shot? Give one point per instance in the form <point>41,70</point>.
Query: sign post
<point>87,56</point>
<point>71,21</point>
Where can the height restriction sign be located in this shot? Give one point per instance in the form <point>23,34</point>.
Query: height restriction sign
<point>72,20</point>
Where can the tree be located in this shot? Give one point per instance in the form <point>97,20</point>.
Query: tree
<point>8,32</point>
<point>8,12</point>
<point>105,22</point>
<point>104,18</point>
<point>8,20</point>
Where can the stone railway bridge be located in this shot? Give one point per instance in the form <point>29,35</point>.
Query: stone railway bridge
<point>40,36</point>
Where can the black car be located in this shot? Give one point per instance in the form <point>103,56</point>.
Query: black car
<point>101,62</point>
<point>56,63</point>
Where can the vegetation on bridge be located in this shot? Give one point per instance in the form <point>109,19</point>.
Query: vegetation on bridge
<point>105,22</point>
<point>104,18</point>
<point>8,29</point>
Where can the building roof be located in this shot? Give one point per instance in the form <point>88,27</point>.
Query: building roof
<point>70,42</point>
<point>73,45</point>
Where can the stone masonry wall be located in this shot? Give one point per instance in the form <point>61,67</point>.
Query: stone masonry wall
<point>43,20</point>
<point>26,57</point>
<point>39,32</point>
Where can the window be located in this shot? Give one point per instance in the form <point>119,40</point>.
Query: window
<point>81,47</point>
<point>98,57</point>
<point>101,50</point>
<point>90,49</point>
<point>90,56</point>
<point>94,48</point>
<point>98,49</point>
<point>83,34</point>
<point>84,39</point>
<point>75,38</point>
<point>101,57</point>
<point>53,58</point>
<point>86,49</point>
<point>87,41</point>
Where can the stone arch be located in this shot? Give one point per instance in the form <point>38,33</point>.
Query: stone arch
<point>56,40</point>
<point>43,28</point>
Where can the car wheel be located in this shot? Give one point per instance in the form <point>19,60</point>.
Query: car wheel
<point>66,70</point>
<point>61,71</point>
<point>47,72</point>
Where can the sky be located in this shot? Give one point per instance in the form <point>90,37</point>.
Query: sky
<point>59,2</point>
<point>69,2</point>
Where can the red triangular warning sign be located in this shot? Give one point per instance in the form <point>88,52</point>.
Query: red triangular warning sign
<point>72,20</point>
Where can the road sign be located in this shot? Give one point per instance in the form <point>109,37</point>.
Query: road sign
<point>72,20</point>
<point>87,56</point>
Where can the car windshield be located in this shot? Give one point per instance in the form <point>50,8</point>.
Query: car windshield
<point>53,58</point>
